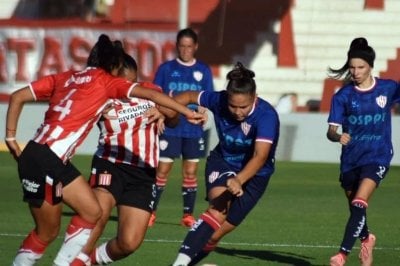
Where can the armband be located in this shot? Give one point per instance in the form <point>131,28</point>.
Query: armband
<point>10,139</point>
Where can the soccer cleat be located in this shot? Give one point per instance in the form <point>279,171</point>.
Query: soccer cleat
<point>338,260</point>
<point>188,220</point>
<point>367,246</point>
<point>152,219</point>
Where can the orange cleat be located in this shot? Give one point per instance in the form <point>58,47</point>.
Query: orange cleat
<point>188,220</point>
<point>338,260</point>
<point>152,219</point>
<point>367,247</point>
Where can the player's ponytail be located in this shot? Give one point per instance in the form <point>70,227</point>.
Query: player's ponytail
<point>241,80</point>
<point>106,54</point>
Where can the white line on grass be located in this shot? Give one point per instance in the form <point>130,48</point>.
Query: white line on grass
<point>236,243</point>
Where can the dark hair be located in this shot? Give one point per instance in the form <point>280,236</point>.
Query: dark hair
<point>188,32</point>
<point>359,48</point>
<point>106,54</point>
<point>128,63</point>
<point>241,80</point>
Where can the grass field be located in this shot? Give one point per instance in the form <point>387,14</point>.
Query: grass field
<point>299,221</point>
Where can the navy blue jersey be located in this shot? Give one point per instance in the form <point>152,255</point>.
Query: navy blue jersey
<point>237,138</point>
<point>175,77</point>
<point>366,116</point>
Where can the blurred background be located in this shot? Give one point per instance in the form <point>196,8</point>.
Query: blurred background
<point>288,43</point>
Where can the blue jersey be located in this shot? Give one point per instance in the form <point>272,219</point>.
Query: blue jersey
<point>366,116</point>
<point>175,77</point>
<point>237,138</point>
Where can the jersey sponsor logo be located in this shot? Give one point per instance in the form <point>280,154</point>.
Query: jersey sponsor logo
<point>367,119</point>
<point>133,112</point>
<point>30,186</point>
<point>184,86</point>
<point>197,75</point>
<point>176,74</point>
<point>381,100</point>
<point>105,179</point>
<point>245,127</point>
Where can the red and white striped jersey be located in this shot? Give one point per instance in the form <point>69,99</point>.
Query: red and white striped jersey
<point>76,100</point>
<point>129,138</point>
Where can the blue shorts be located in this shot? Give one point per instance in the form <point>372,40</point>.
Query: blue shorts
<point>217,172</point>
<point>130,185</point>
<point>175,147</point>
<point>43,174</point>
<point>351,180</point>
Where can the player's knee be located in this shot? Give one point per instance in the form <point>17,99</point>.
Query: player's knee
<point>128,245</point>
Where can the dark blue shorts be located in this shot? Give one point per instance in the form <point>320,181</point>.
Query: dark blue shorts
<point>175,147</point>
<point>43,174</point>
<point>351,180</point>
<point>130,185</point>
<point>217,172</point>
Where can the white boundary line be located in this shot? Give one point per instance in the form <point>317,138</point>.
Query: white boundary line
<point>236,243</point>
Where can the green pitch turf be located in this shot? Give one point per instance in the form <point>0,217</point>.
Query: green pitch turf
<point>299,221</point>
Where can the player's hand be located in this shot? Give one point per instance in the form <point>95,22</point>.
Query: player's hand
<point>202,110</point>
<point>197,118</point>
<point>108,114</point>
<point>234,186</point>
<point>345,139</point>
<point>153,114</point>
<point>13,147</point>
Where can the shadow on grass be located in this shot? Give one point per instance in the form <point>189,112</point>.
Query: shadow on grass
<point>265,255</point>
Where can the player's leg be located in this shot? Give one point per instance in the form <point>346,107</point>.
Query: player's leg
<point>189,190</point>
<point>135,204</point>
<point>47,219</point>
<point>169,150</point>
<point>132,226</point>
<point>192,150</point>
<point>107,203</point>
<point>80,197</point>
<point>43,191</point>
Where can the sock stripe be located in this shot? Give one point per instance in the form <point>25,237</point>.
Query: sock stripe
<point>209,219</point>
<point>189,182</point>
<point>161,182</point>
<point>359,202</point>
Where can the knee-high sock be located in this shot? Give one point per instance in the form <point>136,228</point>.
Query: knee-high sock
<point>31,250</point>
<point>207,249</point>
<point>76,236</point>
<point>189,191</point>
<point>160,186</point>
<point>355,224</point>
<point>100,256</point>
<point>197,238</point>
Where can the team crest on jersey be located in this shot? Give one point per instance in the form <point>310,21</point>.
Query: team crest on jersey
<point>381,100</point>
<point>245,128</point>
<point>197,75</point>
<point>105,179</point>
<point>163,144</point>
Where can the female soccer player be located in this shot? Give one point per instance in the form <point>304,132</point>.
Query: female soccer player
<point>76,100</point>
<point>239,168</point>
<point>124,173</point>
<point>186,141</point>
<point>362,108</point>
